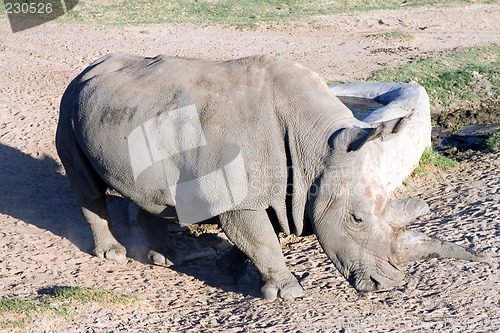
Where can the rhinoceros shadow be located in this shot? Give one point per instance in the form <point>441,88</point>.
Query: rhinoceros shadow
<point>35,191</point>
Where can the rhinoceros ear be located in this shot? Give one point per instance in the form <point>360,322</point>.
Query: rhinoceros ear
<point>360,136</point>
<point>391,128</point>
<point>353,138</point>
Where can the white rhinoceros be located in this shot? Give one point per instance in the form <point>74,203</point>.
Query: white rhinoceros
<point>259,144</point>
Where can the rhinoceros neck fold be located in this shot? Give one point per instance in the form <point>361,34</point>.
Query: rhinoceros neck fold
<point>308,119</point>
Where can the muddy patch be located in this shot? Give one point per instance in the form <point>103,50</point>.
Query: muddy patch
<point>462,132</point>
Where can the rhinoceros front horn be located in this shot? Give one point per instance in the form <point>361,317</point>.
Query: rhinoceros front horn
<point>415,245</point>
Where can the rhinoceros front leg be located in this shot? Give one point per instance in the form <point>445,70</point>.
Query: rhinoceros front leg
<point>105,244</point>
<point>253,233</point>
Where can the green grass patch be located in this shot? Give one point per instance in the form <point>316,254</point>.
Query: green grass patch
<point>17,313</point>
<point>18,305</point>
<point>431,159</point>
<point>240,13</point>
<point>493,142</point>
<point>85,294</point>
<point>463,80</point>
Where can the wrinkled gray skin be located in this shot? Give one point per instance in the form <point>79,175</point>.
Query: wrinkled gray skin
<point>291,131</point>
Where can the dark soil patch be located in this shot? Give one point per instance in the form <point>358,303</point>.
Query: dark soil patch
<point>487,113</point>
<point>461,132</point>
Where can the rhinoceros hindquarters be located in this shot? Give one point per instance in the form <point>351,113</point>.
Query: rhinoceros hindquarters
<point>89,187</point>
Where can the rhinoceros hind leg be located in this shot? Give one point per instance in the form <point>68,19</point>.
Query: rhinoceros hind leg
<point>156,231</point>
<point>116,253</point>
<point>235,262</point>
<point>90,192</point>
<point>253,233</point>
<point>105,244</point>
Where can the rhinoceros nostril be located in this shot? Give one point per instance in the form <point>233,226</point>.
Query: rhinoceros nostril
<point>376,284</point>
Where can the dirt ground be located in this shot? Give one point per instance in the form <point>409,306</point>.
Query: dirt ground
<point>44,241</point>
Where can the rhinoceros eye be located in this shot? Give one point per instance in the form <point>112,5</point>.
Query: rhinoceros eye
<point>357,219</point>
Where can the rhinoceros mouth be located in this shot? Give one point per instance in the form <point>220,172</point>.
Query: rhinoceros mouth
<point>373,283</point>
<point>376,278</point>
<point>365,285</point>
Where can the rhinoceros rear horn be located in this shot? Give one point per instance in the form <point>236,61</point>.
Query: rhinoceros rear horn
<point>404,211</point>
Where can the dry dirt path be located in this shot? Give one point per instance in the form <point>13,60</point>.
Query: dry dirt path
<point>44,241</point>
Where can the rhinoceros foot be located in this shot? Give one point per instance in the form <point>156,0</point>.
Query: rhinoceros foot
<point>159,259</point>
<point>288,289</point>
<point>114,252</point>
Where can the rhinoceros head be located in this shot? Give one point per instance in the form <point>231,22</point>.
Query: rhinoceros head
<point>359,227</point>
